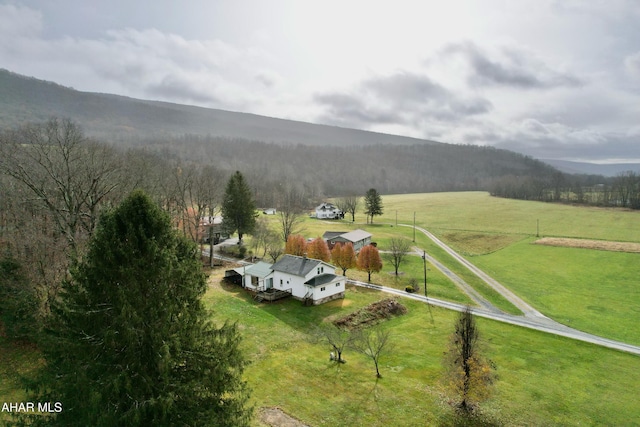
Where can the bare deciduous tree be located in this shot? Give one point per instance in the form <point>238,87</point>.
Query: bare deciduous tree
<point>338,339</point>
<point>398,250</point>
<point>373,343</point>
<point>348,204</point>
<point>66,173</point>
<point>290,207</point>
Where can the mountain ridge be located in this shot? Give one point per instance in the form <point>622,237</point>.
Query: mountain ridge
<point>30,99</point>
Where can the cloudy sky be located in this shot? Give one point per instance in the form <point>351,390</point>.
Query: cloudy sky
<point>553,79</point>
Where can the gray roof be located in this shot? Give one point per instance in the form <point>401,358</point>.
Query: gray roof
<point>322,279</point>
<point>296,265</point>
<point>261,269</point>
<point>328,235</point>
<point>355,235</point>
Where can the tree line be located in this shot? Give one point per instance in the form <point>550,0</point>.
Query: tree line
<point>621,191</point>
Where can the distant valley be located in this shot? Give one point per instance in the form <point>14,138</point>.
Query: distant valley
<point>324,160</point>
<point>612,169</point>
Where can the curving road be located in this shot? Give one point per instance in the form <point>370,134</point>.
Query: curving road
<point>531,317</point>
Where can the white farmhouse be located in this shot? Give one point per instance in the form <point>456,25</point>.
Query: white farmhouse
<point>306,279</point>
<point>310,280</point>
<point>328,211</point>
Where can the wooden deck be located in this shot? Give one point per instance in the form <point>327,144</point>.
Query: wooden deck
<point>272,295</point>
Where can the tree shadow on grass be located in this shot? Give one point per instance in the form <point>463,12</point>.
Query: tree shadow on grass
<point>457,418</point>
<point>353,410</point>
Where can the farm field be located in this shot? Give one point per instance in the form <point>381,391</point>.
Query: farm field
<point>592,290</point>
<point>542,379</point>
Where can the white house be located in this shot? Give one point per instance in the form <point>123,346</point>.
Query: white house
<point>359,238</point>
<point>257,277</point>
<point>328,211</point>
<point>309,279</point>
<point>306,279</point>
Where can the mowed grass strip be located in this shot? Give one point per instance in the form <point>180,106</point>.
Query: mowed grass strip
<point>542,379</point>
<point>590,290</point>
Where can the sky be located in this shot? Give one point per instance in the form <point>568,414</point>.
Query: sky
<point>554,79</point>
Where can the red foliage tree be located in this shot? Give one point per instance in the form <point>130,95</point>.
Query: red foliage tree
<point>343,256</point>
<point>296,245</point>
<point>318,249</point>
<point>369,260</point>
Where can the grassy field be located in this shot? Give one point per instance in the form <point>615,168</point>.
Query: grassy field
<point>592,290</point>
<point>542,380</point>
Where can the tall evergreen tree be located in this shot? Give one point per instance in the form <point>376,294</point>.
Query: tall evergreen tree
<point>130,342</point>
<point>238,207</point>
<point>372,203</point>
<point>469,375</point>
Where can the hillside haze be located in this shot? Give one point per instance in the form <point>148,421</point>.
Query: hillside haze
<point>25,99</point>
<point>323,160</point>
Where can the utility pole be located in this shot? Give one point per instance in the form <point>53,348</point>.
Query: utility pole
<point>424,258</point>
<point>414,227</point>
<point>424,261</point>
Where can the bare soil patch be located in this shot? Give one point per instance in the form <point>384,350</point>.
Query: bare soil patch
<point>601,245</point>
<point>276,417</point>
<point>372,314</point>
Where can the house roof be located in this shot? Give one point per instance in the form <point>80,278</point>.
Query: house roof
<point>326,206</point>
<point>328,235</point>
<point>322,279</point>
<point>355,235</point>
<point>296,265</point>
<point>261,269</point>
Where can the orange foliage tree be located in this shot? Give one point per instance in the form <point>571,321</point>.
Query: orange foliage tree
<point>296,245</point>
<point>343,256</point>
<point>318,249</point>
<point>369,260</point>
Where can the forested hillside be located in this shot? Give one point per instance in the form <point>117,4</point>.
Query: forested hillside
<point>335,171</point>
<point>322,160</point>
<point>118,118</point>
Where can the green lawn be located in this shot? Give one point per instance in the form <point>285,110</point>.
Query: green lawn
<point>590,290</point>
<point>542,380</point>
<point>595,291</point>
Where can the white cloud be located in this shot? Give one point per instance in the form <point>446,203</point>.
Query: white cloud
<point>632,65</point>
<point>546,74</point>
<point>17,21</point>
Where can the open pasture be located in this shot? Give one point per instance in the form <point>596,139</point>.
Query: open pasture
<point>543,380</point>
<point>592,290</point>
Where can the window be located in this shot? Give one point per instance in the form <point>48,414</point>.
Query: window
<point>338,285</point>
<point>322,288</point>
<point>281,281</point>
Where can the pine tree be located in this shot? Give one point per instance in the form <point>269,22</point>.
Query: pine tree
<point>372,203</point>
<point>469,375</point>
<point>238,207</point>
<point>130,342</point>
